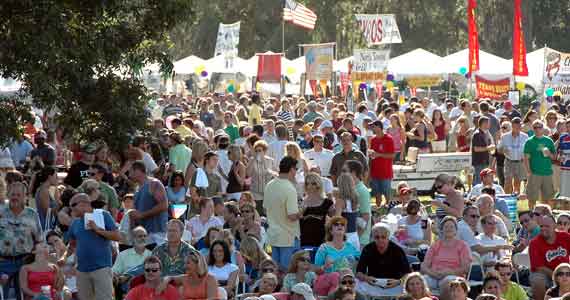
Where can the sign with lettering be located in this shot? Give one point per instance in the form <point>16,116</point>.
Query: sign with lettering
<point>379,29</point>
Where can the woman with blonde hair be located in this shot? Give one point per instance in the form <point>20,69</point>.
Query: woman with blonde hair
<point>419,135</point>
<point>292,149</point>
<point>196,283</point>
<point>251,223</point>
<point>346,205</point>
<point>416,286</point>
<point>299,271</point>
<point>253,256</point>
<point>199,150</point>
<point>316,208</point>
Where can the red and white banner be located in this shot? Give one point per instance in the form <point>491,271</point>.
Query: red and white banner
<point>519,48</point>
<point>493,89</point>
<point>269,67</point>
<point>379,29</point>
<point>473,37</point>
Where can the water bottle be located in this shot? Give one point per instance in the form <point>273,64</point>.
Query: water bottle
<point>46,292</point>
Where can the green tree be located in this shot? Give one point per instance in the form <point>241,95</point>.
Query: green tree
<point>82,58</point>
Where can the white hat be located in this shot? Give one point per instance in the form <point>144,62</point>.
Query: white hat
<point>304,290</point>
<point>326,124</point>
<point>267,297</point>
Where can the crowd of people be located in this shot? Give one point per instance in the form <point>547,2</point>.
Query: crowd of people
<point>246,197</point>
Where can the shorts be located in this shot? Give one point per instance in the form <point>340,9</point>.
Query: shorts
<point>434,283</point>
<point>537,276</point>
<point>514,169</point>
<point>382,187</point>
<point>540,186</point>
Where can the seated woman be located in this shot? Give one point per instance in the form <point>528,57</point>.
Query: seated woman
<point>417,229</point>
<point>561,279</point>
<point>381,265</point>
<point>253,256</point>
<point>251,222</point>
<point>416,286</point>
<point>447,259</point>
<point>299,271</point>
<point>458,289</point>
<point>176,191</point>
<point>220,266</point>
<point>267,285</point>
<point>336,253</point>
<point>211,236</point>
<point>41,273</point>
<point>196,283</point>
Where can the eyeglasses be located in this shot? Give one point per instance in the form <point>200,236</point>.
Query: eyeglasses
<point>268,270</point>
<point>438,187</point>
<point>559,274</point>
<point>537,127</point>
<point>475,216</point>
<point>149,270</point>
<point>347,282</point>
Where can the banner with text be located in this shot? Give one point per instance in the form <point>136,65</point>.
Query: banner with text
<point>319,61</point>
<point>379,29</point>
<point>228,40</point>
<point>369,60</point>
<point>557,67</point>
<point>493,89</point>
<point>423,81</point>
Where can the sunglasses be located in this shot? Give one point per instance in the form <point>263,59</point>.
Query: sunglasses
<point>563,223</point>
<point>149,270</point>
<point>338,224</point>
<point>438,187</point>
<point>268,270</point>
<point>475,216</point>
<point>537,127</point>
<point>559,274</point>
<point>347,282</point>
<point>505,128</point>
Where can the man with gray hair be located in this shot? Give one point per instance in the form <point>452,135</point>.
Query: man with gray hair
<point>381,265</point>
<point>91,234</point>
<point>130,258</point>
<point>312,113</point>
<point>486,206</point>
<point>175,248</point>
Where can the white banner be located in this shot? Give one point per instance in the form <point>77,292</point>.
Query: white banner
<point>228,40</point>
<point>379,29</point>
<point>557,67</point>
<point>369,60</point>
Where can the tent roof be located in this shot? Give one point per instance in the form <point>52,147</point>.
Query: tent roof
<point>217,64</point>
<point>188,64</point>
<point>535,63</point>
<point>488,63</point>
<point>418,61</point>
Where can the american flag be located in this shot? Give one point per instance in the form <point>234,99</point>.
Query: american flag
<point>299,15</point>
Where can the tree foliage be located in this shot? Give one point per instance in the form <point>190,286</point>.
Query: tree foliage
<point>81,58</point>
<point>439,26</point>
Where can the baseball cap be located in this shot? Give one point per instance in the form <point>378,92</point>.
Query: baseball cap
<point>88,148</point>
<point>486,172</point>
<point>326,124</point>
<point>508,104</point>
<point>304,290</point>
<point>405,191</point>
<point>377,123</point>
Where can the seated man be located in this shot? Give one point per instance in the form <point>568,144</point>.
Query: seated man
<point>547,251</point>
<point>347,281</point>
<point>381,265</point>
<point>529,230</point>
<point>173,252</point>
<point>511,290</point>
<point>489,238</point>
<point>487,180</point>
<point>152,280</point>
<point>131,258</point>
<point>486,206</point>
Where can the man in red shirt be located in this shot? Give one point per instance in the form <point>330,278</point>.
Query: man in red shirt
<point>547,251</point>
<point>149,289</point>
<point>382,154</point>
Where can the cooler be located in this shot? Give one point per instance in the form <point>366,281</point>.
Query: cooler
<point>511,201</point>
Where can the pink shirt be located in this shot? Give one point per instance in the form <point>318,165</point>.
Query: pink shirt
<point>444,257</point>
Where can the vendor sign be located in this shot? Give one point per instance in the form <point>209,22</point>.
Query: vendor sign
<point>423,81</point>
<point>493,89</point>
<point>319,61</point>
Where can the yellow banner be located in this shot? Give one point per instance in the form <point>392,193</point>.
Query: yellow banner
<point>423,81</point>
<point>368,76</point>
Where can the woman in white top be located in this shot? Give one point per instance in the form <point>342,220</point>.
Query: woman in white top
<point>220,266</point>
<point>418,228</point>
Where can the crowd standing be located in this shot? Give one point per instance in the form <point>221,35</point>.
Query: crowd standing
<point>246,197</point>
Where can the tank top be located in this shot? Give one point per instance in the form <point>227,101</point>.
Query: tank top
<point>233,183</point>
<point>440,131</point>
<point>199,291</point>
<point>43,214</point>
<point>144,201</point>
<point>38,279</point>
<point>421,144</point>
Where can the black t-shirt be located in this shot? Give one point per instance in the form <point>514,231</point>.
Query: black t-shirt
<point>77,172</point>
<point>392,264</point>
<point>480,139</point>
<point>313,224</point>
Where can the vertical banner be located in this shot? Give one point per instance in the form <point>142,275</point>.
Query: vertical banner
<point>319,61</point>
<point>228,40</point>
<point>269,67</point>
<point>379,29</point>
<point>519,48</point>
<point>493,89</point>
<point>473,37</point>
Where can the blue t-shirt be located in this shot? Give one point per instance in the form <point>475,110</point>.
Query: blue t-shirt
<point>93,251</point>
<point>343,258</point>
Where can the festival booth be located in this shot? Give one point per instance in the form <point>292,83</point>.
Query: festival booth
<point>489,64</point>
<point>416,62</point>
<point>189,65</point>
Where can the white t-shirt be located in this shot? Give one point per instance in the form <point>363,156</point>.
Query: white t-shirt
<point>223,273</point>
<point>501,229</point>
<point>321,159</point>
<point>200,229</point>
<point>492,241</point>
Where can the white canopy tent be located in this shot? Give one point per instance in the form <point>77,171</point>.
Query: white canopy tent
<point>416,62</point>
<point>188,64</point>
<point>535,63</point>
<point>489,64</point>
<point>219,64</point>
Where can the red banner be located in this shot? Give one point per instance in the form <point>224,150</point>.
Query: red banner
<point>269,67</point>
<point>519,49</point>
<point>473,37</point>
<point>493,89</point>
